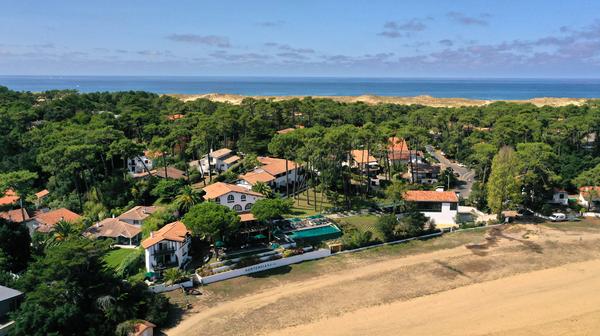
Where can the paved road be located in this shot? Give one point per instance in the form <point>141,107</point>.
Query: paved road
<point>466,175</point>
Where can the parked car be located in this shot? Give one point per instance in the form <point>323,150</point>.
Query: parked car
<point>558,217</point>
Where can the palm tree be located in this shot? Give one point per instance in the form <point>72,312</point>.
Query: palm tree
<point>187,198</point>
<point>63,230</point>
<point>263,188</point>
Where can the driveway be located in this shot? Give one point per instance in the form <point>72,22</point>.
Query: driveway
<point>466,175</point>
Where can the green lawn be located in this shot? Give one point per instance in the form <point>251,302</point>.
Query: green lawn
<point>115,257</point>
<point>301,207</point>
<point>362,223</point>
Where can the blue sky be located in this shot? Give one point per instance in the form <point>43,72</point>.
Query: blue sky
<point>377,38</point>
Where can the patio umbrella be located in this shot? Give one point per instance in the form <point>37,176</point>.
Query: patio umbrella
<point>260,236</point>
<point>219,243</point>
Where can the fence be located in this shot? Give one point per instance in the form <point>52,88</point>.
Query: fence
<point>164,288</point>
<point>318,254</point>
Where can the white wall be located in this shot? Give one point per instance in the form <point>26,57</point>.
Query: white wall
<point>135,165</point>
<point>445,217</point>
<point>237,199</point>
<point>322,253</point>
<point>181,252</point>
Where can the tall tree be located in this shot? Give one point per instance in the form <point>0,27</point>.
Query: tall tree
<point>503,185</point>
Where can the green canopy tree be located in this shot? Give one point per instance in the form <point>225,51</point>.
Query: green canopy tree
<point>268,209</point>
<point>503,187</point>
<point>187,198</point>
<point>212,220</point>
<point>21,182</point>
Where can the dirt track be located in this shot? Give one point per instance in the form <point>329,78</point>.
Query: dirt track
<point>518,281</point>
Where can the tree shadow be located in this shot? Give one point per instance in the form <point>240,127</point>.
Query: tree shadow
<point>270,272</point>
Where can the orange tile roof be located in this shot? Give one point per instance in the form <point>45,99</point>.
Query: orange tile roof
<point>286,130</point>
<point>247,217</point>
<point>112,228</point>
<point>585,191</point>
<point>220,153</point>
<point>42,193</point>
<point>138,212</point>
<point>48,219</point>
<point>175,231</point>
<point>257,176</point>
<point>361,155</point>
<point>175,116</point>
<point>219,189</point>
<point>10,197</point>
<point>275,166</point>
<point>172,173</point>
<point>430,196</point>
<point>398,149</point>
<point>15,215</point>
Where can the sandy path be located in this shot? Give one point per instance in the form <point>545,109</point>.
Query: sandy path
<point>558,301</point>
<point>267,297</point>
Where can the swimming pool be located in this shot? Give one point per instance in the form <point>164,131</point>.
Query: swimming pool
<point>315,234</point>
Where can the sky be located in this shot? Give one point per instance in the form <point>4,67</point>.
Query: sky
<point>342,38</point>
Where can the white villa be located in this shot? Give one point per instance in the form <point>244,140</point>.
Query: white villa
<point>137,214</point>
<point>559,196</point>
<point>440,206</point>
<point>167,247</point>
<point>273,172</point>
<point>220,160</point>
<point>233,196</point>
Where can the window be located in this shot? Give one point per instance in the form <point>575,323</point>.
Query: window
<point>249,206</point>
<point>429,206</point>
<point>230,199</point>
<point>561,196</point>
<point>243,198</point>
<point>453,206</point>
<point>218,200</point>
<point>237,207</point>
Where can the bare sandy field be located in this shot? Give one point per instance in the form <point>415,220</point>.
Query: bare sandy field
<point>373,100</point>
<point>516,280</point>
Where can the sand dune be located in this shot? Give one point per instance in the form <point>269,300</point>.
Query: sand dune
<point>373,100</point>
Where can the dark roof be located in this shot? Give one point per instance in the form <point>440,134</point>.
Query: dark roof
<point>8,293</point>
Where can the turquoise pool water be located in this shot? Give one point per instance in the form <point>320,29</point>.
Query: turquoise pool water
<point>318,233</point>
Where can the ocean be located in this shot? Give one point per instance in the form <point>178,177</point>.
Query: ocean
<point>498,89</point>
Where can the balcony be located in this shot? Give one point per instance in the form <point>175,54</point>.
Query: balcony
<point>164,251</point>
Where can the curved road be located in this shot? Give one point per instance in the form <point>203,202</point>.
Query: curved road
<point>466,175</point>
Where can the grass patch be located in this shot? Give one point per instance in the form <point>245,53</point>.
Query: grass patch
<point>362,223</point>
<point>301,208</point>
<point>115,257</point>
<point>586,224</point>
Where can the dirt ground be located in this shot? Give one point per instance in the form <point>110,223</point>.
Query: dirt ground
<point>513,280</point>
<point>373,100</point>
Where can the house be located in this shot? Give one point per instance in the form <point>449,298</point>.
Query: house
<point>362,160</point>
<point>137,214</point>
<point>123,233</point>
<point>232,196</point>
<point>272,171</point>
<point>589,197</point>
<point>173,117</point>
<point>141,164</point>
<point>170,172</point>
<point>40,197</point>
<point>45,221</point>
<point>167,247</point>
<point>423,173</point>
<point>143,328</point>
<point>559,196</point>
<point>9,302</point>
<point>398,151</point>
<point>9,198</point>
<point>16,215</point>
<point>220,161</point>
<point>439,206</point>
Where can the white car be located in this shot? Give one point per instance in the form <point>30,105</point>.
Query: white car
<point>558,217</point>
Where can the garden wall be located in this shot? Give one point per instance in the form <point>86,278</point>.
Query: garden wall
<point>164,288</point>
<point>318,254</point>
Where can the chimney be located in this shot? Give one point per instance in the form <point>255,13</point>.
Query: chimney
<point>439,189</point>
<point>151,234</point>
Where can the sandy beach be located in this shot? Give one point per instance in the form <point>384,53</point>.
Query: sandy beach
<point>373,100</point>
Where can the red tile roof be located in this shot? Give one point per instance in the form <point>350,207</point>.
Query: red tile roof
<point>138,213</point>
<point>47,220</point>
<point>172,173</point>
<point>175,231</point>
<point>430,196</point>
<point>219,189</point>
<point>257,176</point>
<point>275,166</point>
<point>362,156</point>
<point>140,327</point>
<point>585,191</point>
<point>42,193</point>
<point>15,215</point>
<point>219,153</point>
<point>247,217</point>
<point>10,197</point>
<point>175,116</point>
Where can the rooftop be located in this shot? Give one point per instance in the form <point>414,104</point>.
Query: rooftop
<point>257,176</point>
<point>219,153</point>
<point>42,193</point>
<point>362,156</point>
<point>176,231</point>
<point>275,166</point>
<point>219,189</point>
<point>232,159</point>
<point>10,197</point>
<point>172,173</point>
<point>15,215</point>
<point>430,196</point>
<point>48,219</point>
<point>138,212</point>
<point>140,327</point>
<point>112,228</point>
<point>8,293</point>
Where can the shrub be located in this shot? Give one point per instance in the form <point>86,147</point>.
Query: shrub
<point>386,224</point>
<point>355,239</point>
<point>247,261</point>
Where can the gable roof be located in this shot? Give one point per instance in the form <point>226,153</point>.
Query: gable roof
<point>257,176</point>
<point>175,116</point>
<point>112,228</point>
<point>398,149</point>
<point>15,215</point>
<point>172,173</point>
<point>247,217</point>
<point>175,231</point>
<point>585,191</point>
<point>275,166</point>
<point>138,212</point>
<point>10,197</point>
<point>141,326</point>
<point>231,159</point>
<point>430,196</point>
<point>47,220</point>
<point>8,293</point>
<point>219,153</point>
<point>42,193</point>
<point>362,156</point>
<point>219,189</point>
